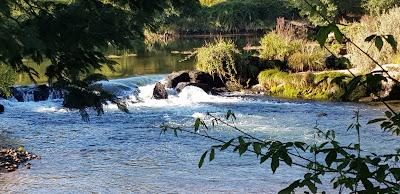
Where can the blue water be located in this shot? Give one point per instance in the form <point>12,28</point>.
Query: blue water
<point>125,153</point>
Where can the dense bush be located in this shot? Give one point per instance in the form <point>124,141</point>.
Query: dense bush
<point>217,16</point>
<point>7,79</point>
<point>219,58</point>
<point>277,46</point>
<point>300,54</point>
<point>383,24</point>
<point>311,57</point>
<point>237,69</point>
<point>380,6</point>
<point>333,10</point>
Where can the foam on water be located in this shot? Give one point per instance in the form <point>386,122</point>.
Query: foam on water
<point>124,153</point>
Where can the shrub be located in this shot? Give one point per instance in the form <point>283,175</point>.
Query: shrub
<point>383,24</point>
<point>380,6</point>
<point>310,58</point>
<point>275,46</point>
<point>7,79</point>
<point>219,58</point>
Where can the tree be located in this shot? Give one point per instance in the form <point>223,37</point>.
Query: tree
<point>72,34</point>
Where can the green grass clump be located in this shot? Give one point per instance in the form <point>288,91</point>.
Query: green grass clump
<point>275,46</point>
<point>305,85</point>
<point>309,58</point>
<point>218,58</point>
<point>7,79</point>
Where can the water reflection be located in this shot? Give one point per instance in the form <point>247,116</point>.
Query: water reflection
<point>157,59</point>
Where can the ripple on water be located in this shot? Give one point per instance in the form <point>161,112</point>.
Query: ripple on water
<point>125,153</point>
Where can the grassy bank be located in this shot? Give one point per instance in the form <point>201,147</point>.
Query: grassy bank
<point>319,86</point>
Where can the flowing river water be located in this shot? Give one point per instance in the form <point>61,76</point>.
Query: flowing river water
<point>125,153</point>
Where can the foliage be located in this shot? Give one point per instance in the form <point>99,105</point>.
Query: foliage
<point>7,79</point>
<point>72,34</point>
<point>381,25</point>
<point>219,59</point>
<point>380,6</point>
<point>349,167</point>
<point>309,58</point>
<point>332,10</point>
<point>277,46</point>
<point>225,16</point>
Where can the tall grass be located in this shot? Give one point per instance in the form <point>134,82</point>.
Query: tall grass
<point>387,23</point>
<point>287,44</point>
<point>218,58</point>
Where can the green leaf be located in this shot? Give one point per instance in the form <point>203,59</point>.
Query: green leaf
<point>370,38</point>
<point>367,184</point>
<point>388,114</point>
<point>338,34</point>
<point>201,161</point>
<point>300,145</point>
<point>392,41</point>
<point>311,186</point>
<point>241,140</point>
<point>257,148</point>
<point>274,163</point>
<point>331,157</point>
<point>396,173</point>
<point>227,144</point>
<point>290,188</point>
<point>286,158</point>
<point>379,43</point>
<point>243,148</point>
<point>212,154</point>
<point>323,34</point>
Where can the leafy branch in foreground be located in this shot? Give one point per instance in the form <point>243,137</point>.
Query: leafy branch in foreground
<point>371,81</point>
<point>352,168</point>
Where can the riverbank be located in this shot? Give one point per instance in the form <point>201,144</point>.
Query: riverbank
<point>11,159</point>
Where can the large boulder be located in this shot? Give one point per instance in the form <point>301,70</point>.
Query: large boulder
<point>175,78</point>
<point>1,108</point>
<point>17,94</point>
<point>159,91</point>
<point>201,77</point>
<point>392,92</point>
<point>207,88</point>
<point>41,93</point>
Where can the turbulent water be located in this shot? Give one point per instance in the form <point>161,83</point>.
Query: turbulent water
<point>125,153</point>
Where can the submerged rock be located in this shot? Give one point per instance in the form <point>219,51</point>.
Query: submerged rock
<point>1,108</point>
<point>159,91</point>
<point>175,78</point>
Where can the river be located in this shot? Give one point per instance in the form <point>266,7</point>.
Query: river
<point>125,153</point>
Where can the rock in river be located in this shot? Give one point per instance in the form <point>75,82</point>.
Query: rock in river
<point>159,91</point>
<point>175,78</point>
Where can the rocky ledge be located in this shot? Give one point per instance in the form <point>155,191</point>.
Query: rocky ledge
<point>11,159</point>
<point>180,80</point>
